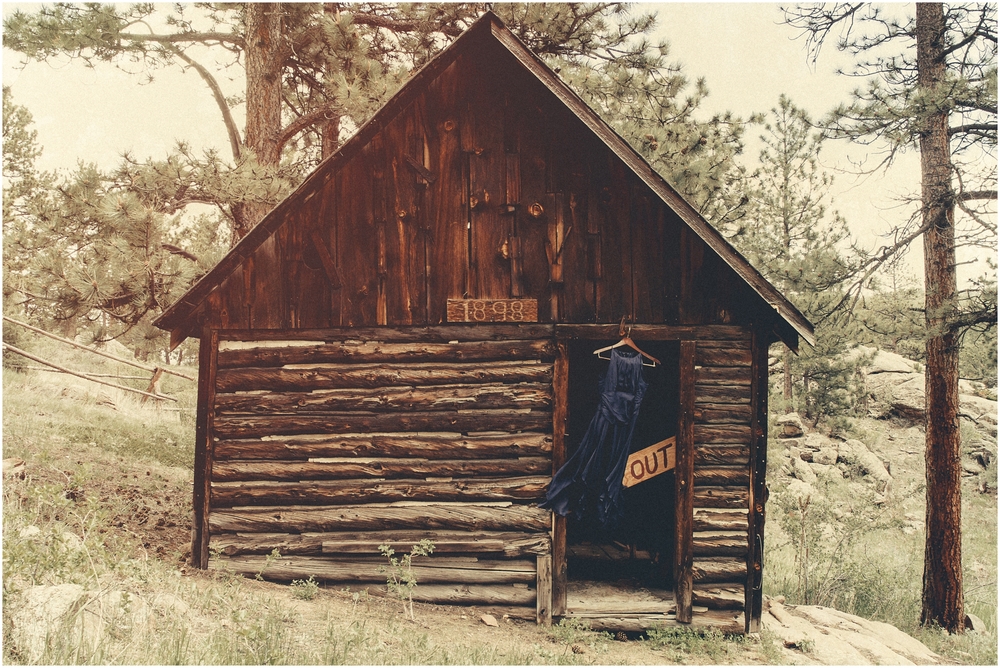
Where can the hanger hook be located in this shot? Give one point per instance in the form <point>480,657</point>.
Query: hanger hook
<point>621,327</point>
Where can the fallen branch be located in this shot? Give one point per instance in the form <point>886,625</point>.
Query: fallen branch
<point>34,358</point>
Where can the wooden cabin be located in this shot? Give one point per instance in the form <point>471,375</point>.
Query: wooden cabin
<point>402,349</point>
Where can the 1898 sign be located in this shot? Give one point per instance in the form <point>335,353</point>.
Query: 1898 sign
<point>492,310</point>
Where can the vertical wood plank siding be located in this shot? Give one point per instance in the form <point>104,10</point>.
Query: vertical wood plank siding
<point>398,220</point>
<point>327,475</point>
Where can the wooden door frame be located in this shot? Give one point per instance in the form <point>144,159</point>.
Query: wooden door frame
<point>684,489</point>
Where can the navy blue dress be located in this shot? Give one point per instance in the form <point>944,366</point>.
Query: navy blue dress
<point>589,484</point>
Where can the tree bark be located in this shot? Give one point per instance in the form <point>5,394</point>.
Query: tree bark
<point>263,99</point>
<point>942,581</point>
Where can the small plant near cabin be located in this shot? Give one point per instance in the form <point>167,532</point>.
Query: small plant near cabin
<point>270,559</point>
<point>400,579</point>
<point>305,589</point>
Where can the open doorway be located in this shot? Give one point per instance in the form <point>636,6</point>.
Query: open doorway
<point>630,563</point>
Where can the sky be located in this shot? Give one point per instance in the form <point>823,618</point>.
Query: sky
<point>747,58</point>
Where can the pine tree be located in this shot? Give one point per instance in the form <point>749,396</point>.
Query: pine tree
<point>803,249</point>
<point>931,86</point>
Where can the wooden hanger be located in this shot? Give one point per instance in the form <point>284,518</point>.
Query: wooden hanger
<point>626,340</point>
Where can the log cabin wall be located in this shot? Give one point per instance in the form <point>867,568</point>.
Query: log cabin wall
<point>483,186</point>
<point>722,437</point>
<point>325,449</point>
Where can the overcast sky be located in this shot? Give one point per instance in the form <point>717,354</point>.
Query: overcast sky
<point>747,58</point>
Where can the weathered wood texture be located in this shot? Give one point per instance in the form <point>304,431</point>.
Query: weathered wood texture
<point>467,189</point>
<point>726,418</point>
<point>401,440</point>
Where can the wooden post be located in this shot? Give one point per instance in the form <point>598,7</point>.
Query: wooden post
<point>683,561</point>
<point>543,589</point>
<point>560,415</point>
<point>757,496</point>
<point>207,364</point>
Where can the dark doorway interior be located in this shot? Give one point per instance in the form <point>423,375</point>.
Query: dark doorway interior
<point>639,552</point>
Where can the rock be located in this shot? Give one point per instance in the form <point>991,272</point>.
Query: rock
<point>794,453</point>
<point>791,425</point>
<point>846,451</point>
<point>833,473</point>
<point>806,455</point>
<point>884,361</point>
<point>489,620</point>
<point>789,442</point>
<point>29,531</point>
<point>71,542</point>
<point>819,469</point>
<point>974,623</point>
<point>971,467</point>
<point>164,602</point>
<point>826,456</point>
<point>13,468</point>
<point>800,490</point>
<point>817,442</point>
<point>44,610</point>
<point>69,611</point>
<point>802,471</point>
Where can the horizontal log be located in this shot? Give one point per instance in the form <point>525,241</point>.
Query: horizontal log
<point>722,433</point>
<point>721,497</point>
<point>719,546</point>
<point>722,476</point>
<point>375,352</point>
<point>233,470</point>
<point>426,446</point>
<point>725,354</point>
<point>706,456</point>
<point>721,394</point>
<point>425,570</point>
<point>707,520</point>
<point>721,596</point>
<point>722,413</point>
<point>604,607</point>
<point>433,398</point>
<point>510,544</point>
<point>334,376</point>
<point>722,375</point>
<point>629,624</point>
<point>719,570</point>
<point>425,517</point>
<point>228,494</point>
<point>439,334</point>
<point>473,594</point>
<point>237,426</point>
<point>654,332</point>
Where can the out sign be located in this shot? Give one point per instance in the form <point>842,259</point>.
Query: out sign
<point>650,462</point>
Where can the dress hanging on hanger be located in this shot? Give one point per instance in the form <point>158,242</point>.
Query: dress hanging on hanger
<point>589,484</point>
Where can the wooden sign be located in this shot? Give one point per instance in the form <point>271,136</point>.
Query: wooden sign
<point>492,310</point>
<point>650,462</point>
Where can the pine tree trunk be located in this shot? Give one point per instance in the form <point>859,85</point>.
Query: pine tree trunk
<point>263,98</point>
<point>942,583</point>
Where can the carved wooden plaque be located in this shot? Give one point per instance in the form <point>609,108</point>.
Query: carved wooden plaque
<point>492,310</point>
<point>650,462</point>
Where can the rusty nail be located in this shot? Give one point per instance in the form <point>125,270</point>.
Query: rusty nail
<point>535,210</point>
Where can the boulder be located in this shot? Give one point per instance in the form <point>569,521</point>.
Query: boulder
<point>799,490</point>
<point>973,623</point>
<point>802,471</point>
<point>826,456</point>
<point>47,612</point>
<point>791,425</point>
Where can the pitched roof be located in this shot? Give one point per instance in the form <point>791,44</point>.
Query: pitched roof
<point>490,25</point>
